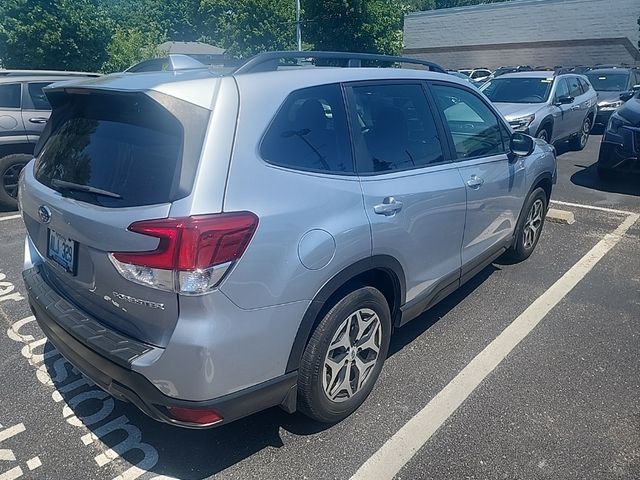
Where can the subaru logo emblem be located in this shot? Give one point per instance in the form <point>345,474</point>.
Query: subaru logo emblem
<point>45,214</point>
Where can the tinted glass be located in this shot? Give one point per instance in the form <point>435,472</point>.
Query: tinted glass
<point>124,144</point>
<point>609,82</point>
<point>575,90</point>
<point>397,127</point>
<point>562,90</point>
<point>583,83</point>
<point>37,97</point>
<point>10,96</point>
<point>475,129</point>
<point>518,90</point>
<point>310,132</point>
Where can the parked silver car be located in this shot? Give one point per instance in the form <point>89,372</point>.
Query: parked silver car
<point>24,110</point>
<point>548,106</point>
<point>206,246</point>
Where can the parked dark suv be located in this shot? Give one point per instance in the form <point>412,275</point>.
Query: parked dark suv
<point>620,147</point>
<point>614,86</point>
<point>24,111</point>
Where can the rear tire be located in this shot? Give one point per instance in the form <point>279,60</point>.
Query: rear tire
<point>344,356</point>
<point>529,226</point>
<point>578,143</point>
<point>10,168</point>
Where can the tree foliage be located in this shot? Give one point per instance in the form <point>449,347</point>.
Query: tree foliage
<point>110,35</point>
<point>53,34</point>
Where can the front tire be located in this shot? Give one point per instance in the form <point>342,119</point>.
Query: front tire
<point>529,226</point>
<point>10,168</point>
<point>344,356</point>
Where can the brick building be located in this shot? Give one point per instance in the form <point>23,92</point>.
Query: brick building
<point>527,32</point>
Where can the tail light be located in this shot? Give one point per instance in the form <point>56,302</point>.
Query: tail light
<point>193,254</point>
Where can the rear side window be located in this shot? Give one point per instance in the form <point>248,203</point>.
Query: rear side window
<point>10,96</point>
<point>475,129</point>
<point>398,129</point>
<point>310,132</point>
<point>575,90</point>
<point>125,144</point>
<point>37,98</point>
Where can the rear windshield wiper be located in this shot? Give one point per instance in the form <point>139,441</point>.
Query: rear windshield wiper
<point>76,187</point>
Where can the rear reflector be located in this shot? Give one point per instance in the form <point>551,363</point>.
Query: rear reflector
<point>196,416</point>
<point>193,253</point>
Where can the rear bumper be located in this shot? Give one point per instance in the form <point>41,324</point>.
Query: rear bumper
<point>105,357</point>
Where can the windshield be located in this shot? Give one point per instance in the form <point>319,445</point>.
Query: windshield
<point>609,82</point>
<point>518,90</point>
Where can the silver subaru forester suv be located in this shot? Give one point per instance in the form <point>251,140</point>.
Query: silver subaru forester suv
<point>206,245</point>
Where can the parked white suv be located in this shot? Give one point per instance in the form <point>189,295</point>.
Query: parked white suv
<point>549,106</point>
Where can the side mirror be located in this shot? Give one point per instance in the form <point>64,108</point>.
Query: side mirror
<point>624,96</point>
<point>565,100</point>
<point>522,145</point>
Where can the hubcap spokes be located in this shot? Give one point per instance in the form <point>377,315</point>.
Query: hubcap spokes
<point>10,179</point>
<point>586,128</point>
<point>533,224</point>
<point>352,355</point>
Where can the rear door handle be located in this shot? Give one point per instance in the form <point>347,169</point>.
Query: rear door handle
<point>389,207</point>
<point>475,182</point>
<point>577,107</point>
<point>38,120</point>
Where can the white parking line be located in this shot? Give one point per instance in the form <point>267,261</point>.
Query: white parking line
<point>404,444</point>
<point>593,207</point>
<point>9,217</point>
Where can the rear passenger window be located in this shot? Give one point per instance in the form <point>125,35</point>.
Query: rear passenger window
<point>475,129</point>
<point>310,132</point>
<point>397,128</point>
<point>37,97</point>
<point>10,96</point>
<point>574,87</point>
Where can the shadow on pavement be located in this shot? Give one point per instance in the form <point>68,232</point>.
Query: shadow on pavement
<point>162,449</point>
<point>197,454</point>
<point>408,333</point>
<point>618,183</point>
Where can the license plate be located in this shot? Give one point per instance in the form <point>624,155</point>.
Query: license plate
<point>62,250</point>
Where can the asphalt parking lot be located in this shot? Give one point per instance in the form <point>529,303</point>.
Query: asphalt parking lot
<point>529,371</point>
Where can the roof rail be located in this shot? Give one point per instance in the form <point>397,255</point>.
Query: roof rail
<point>270,61</point>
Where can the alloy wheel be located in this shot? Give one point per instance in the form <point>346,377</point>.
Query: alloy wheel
<point>542,134</point>
<point>533,224</point>
<point>10,179</point>
<point>352,355</point>
<point>584,133</point>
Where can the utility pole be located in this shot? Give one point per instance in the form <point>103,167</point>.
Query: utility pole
<point>298,26</point>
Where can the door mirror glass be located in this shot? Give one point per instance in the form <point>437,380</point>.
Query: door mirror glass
<point>565,99</point>
<point>522,145</point>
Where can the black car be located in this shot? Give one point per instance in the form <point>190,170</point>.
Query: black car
<point>620,147</point>
<point>614,86</point>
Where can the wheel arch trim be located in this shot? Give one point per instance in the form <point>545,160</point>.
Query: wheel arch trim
<point>377,262</point>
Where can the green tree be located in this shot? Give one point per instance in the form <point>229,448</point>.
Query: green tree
<point>355,25</point>
<point>129,46</point>
<point>245,27</point>
<point>53,34</point>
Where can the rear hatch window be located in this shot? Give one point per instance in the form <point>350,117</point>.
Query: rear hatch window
<point>119,149</point>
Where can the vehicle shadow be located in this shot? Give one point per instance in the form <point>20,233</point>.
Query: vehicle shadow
<point>165,450</point>
<point>408,333</point>
<point>618,183</point>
